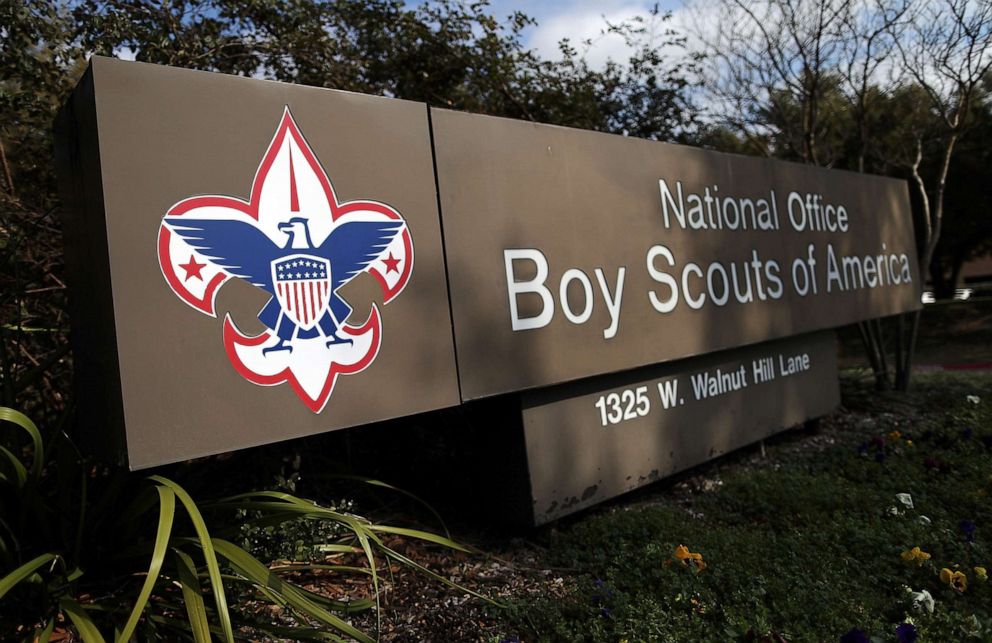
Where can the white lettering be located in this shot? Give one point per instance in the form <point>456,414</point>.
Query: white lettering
<point>536,286</point>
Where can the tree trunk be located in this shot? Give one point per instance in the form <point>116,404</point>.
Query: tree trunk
<point>956,273</point>
<point>943,287</point>
<point>937,215</point>
<point>6,170</point>
<point>904,368</point>
<point>873,350</point>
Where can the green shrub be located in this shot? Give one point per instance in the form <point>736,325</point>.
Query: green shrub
<point>99,550</point>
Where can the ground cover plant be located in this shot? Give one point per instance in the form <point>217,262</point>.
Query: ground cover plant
<point>877,528</point>
<point>92,552</point>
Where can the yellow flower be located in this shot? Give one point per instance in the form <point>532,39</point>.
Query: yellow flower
<point>687,558</point>
<point>895,435</point>
<point>909,443</point>
<point>957,580</point>
<point>981,574</point>
<point>915,555</point>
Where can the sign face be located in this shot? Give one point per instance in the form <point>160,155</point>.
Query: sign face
<point>593,440</point>
<point>572,253</point>
<point>270,251</point>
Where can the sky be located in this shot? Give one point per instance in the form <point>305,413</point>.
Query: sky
<point>579,20</point>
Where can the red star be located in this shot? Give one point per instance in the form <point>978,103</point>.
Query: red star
<point>391,264</point>
<point>192,268</point>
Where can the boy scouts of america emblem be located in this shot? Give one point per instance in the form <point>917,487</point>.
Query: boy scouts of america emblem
<point>296,242</point>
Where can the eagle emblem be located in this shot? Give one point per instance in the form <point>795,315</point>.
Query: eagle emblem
<point>293,240</point>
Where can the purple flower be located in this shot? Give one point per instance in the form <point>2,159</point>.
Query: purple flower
<point>906,633</point>
<point>855,636</point>
<point>602,594</point>
<point>863,448</point>
<point>880,457</point>
<point>512,639</point>
<point>968,528</point>
<point>987,441</point>
<point>930,463</point>
<point>967,433</point>
<point>878,442</point>
<point>606,612</point>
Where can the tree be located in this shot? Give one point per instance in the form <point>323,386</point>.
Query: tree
<point>38,65</point>
<point>869,32</point>
<point>967,233</point>
<point>446,53</point>
<point>765,58</point>
<point>947,50</point>
<point>797,75</point>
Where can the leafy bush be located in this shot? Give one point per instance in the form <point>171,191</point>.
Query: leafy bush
<point>88,546</point>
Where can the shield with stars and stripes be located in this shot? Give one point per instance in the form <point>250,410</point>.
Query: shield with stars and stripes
<point>303,287</point>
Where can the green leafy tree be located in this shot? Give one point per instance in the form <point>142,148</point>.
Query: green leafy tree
<point>447,53</point>
<point>39,63</point>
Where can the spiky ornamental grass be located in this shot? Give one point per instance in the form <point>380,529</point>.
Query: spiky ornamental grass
<point>85,559</point>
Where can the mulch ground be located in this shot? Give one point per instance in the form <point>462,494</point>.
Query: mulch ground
<point>415,607</point>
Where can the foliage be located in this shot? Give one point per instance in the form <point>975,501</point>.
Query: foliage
<point>807,549</point>
<point>38,65</point>
<point>79,543</point>
<point>967,233</point>
<point>447,53</point>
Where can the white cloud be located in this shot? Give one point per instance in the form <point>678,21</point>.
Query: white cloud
<point>581,20</point>
<point>125,53</point>
<point>586,21</point>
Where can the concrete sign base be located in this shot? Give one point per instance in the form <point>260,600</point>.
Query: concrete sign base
<point>596,439</point>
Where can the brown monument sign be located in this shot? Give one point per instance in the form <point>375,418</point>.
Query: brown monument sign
<point>251,261</point>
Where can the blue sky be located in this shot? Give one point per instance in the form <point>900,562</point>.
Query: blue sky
<point>578,20</point>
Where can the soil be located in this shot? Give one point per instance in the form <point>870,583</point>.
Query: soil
<point>415,607</point>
